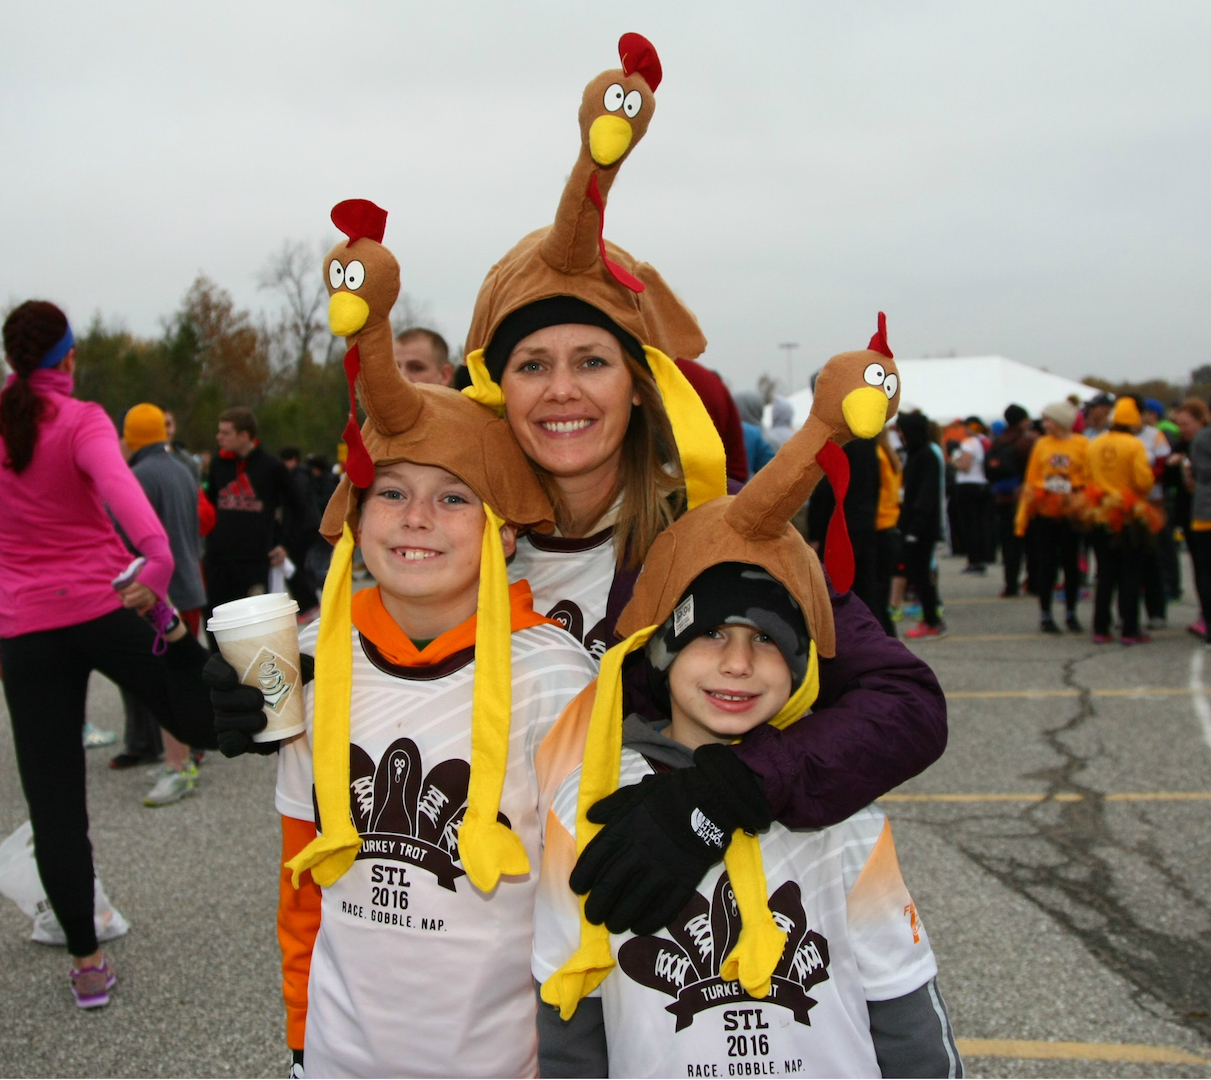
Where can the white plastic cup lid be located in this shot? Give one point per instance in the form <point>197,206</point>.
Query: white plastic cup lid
<point>251,609</point>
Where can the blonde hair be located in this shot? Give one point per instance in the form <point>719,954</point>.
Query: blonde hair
<point>649,476</point>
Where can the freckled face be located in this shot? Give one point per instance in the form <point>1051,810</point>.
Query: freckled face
<point>421,534</point>
<point>568,399</point>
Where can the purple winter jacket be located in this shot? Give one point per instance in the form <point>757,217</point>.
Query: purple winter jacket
<point>879,719</point>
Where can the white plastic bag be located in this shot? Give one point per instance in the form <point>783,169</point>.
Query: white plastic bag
<point>19,881</point>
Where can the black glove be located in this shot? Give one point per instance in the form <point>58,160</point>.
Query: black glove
<point>296,1065</point>
<point>239,710</point>
<point>662,835</point>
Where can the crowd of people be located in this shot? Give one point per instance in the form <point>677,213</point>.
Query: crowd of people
<point>555,809</point>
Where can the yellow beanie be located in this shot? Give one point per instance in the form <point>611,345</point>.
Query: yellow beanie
<point>143,426</point>
<point>1126,412</point>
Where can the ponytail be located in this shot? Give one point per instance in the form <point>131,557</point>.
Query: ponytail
<point>31,331</point>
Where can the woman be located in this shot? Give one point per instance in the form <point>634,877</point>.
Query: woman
<point>1051,494</point>
<point>571,339</point>
<point>921,520</point>
<point>61,618</point>
<point>1119,479</point>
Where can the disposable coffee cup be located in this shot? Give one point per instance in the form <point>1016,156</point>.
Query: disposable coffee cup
<point>258,636</point>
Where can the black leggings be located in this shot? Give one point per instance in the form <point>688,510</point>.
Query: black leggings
<point>1199,544</point>
<point>1055,544</point>
<point>918,554</point>
<point>46,684</point>
<point>1120,566</point>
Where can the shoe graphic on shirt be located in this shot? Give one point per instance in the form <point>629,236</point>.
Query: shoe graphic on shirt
<point>406,815</point>
<point>685,965</point>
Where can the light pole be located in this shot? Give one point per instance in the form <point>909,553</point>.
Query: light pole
<point>790,347</point>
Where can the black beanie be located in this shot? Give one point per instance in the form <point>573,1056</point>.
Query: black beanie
<point>1015,414</point>
<point>553,311</point>
<point>731,592</point>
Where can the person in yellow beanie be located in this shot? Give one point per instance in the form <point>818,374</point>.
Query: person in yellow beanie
<point>1117,509</point>
<point>144,424</point>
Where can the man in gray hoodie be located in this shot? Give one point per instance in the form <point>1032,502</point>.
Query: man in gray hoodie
<point>173,494</point>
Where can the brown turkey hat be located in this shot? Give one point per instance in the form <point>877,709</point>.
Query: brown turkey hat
<point>421,423</point>
<point>571,257</point>
<point>856,392</point>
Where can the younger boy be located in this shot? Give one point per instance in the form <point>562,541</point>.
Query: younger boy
<point>854,992</point>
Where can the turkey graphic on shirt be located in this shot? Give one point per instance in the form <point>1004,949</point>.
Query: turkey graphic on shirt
<point>685,966</point>
<point>568,614</point>
<point>405,815</point>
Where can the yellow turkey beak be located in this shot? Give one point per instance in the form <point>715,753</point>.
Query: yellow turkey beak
<point>609,137</point>
<point>347,313</point>
<point>865,411</point>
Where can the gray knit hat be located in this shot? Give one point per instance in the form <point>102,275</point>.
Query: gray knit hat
<point>1062,412</point>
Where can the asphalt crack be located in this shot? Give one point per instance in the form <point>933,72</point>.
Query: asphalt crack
<point>1062,861</point>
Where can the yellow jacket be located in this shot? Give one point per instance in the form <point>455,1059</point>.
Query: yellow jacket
<point>1118,461</point>
<point>887,515</point>
<point>1056,471</point>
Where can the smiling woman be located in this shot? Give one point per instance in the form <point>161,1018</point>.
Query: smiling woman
<point>570,341</point>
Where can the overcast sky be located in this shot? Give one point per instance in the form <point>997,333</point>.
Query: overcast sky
<point>1031,179</point>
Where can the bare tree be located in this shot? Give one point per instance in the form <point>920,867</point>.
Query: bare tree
<point>407,313</point>
<point>294,274</point>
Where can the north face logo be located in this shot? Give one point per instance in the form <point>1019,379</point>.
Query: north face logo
<point>404,817</point>
<point>707,831</point>
<point>685,965</point>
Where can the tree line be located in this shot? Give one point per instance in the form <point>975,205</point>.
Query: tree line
<point>211,355</point>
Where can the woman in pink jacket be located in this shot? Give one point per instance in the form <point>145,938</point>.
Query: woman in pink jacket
<point>61,618</point>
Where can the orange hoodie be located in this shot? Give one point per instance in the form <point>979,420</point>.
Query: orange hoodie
<point>299,909</point>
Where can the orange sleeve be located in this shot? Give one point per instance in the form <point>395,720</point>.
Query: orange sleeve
<point>298,923</point>
<point>1080,462</point>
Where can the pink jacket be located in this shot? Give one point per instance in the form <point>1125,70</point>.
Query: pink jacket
<point>59,551</point>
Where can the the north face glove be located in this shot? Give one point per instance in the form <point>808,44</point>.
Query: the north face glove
<point>239,710</point>
<point>661,836</point>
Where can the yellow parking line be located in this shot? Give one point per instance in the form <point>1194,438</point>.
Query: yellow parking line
<point>1037,796</point>
<point>1109,692</point>
<point>1077,1051</point>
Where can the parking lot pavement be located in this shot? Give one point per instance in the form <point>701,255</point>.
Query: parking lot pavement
<point>1057,854</point>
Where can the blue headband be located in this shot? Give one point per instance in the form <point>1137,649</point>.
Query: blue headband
<point>59,350</point>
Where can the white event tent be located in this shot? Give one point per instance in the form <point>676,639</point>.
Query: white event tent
<point>959,386</point>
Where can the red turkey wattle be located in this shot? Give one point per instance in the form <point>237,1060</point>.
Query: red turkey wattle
<point>619,273</point>
<point>838,551</point>
<point>358,466</point>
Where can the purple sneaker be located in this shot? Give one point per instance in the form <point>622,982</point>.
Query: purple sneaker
<point>91,986</point>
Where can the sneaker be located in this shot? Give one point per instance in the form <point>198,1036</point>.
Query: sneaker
<point>896,613</point>
<point>95,736</point>
<point>1102,639</point>
<point>1048,626</point>
<point>1074,624</point>
<point>1139,639</point>
<point>1010,594</point>
<point>172,786</point>
<point>130,761</point>
<point>197,756</point>
<point>924,630</point>
<point>91,986</point>
<point>913,610</point>
<point>1198,628</point>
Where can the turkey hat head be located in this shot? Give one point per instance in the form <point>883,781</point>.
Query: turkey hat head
<point>571,258</point>
<point>422,423</point>
<point>856,393</point>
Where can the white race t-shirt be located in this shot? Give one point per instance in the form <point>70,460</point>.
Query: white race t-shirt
<point>853,936</point>
<point>415,971</point>
<point>570,580</point>
<point>974,474</point>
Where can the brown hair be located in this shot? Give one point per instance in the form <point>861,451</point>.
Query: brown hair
<point>649,476</point>
<point>1196,408</point>
<point>239,418</point>
<point>30,331</point>
<point>441,351</point>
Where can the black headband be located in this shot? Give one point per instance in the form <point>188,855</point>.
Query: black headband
<point>553,311</point>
